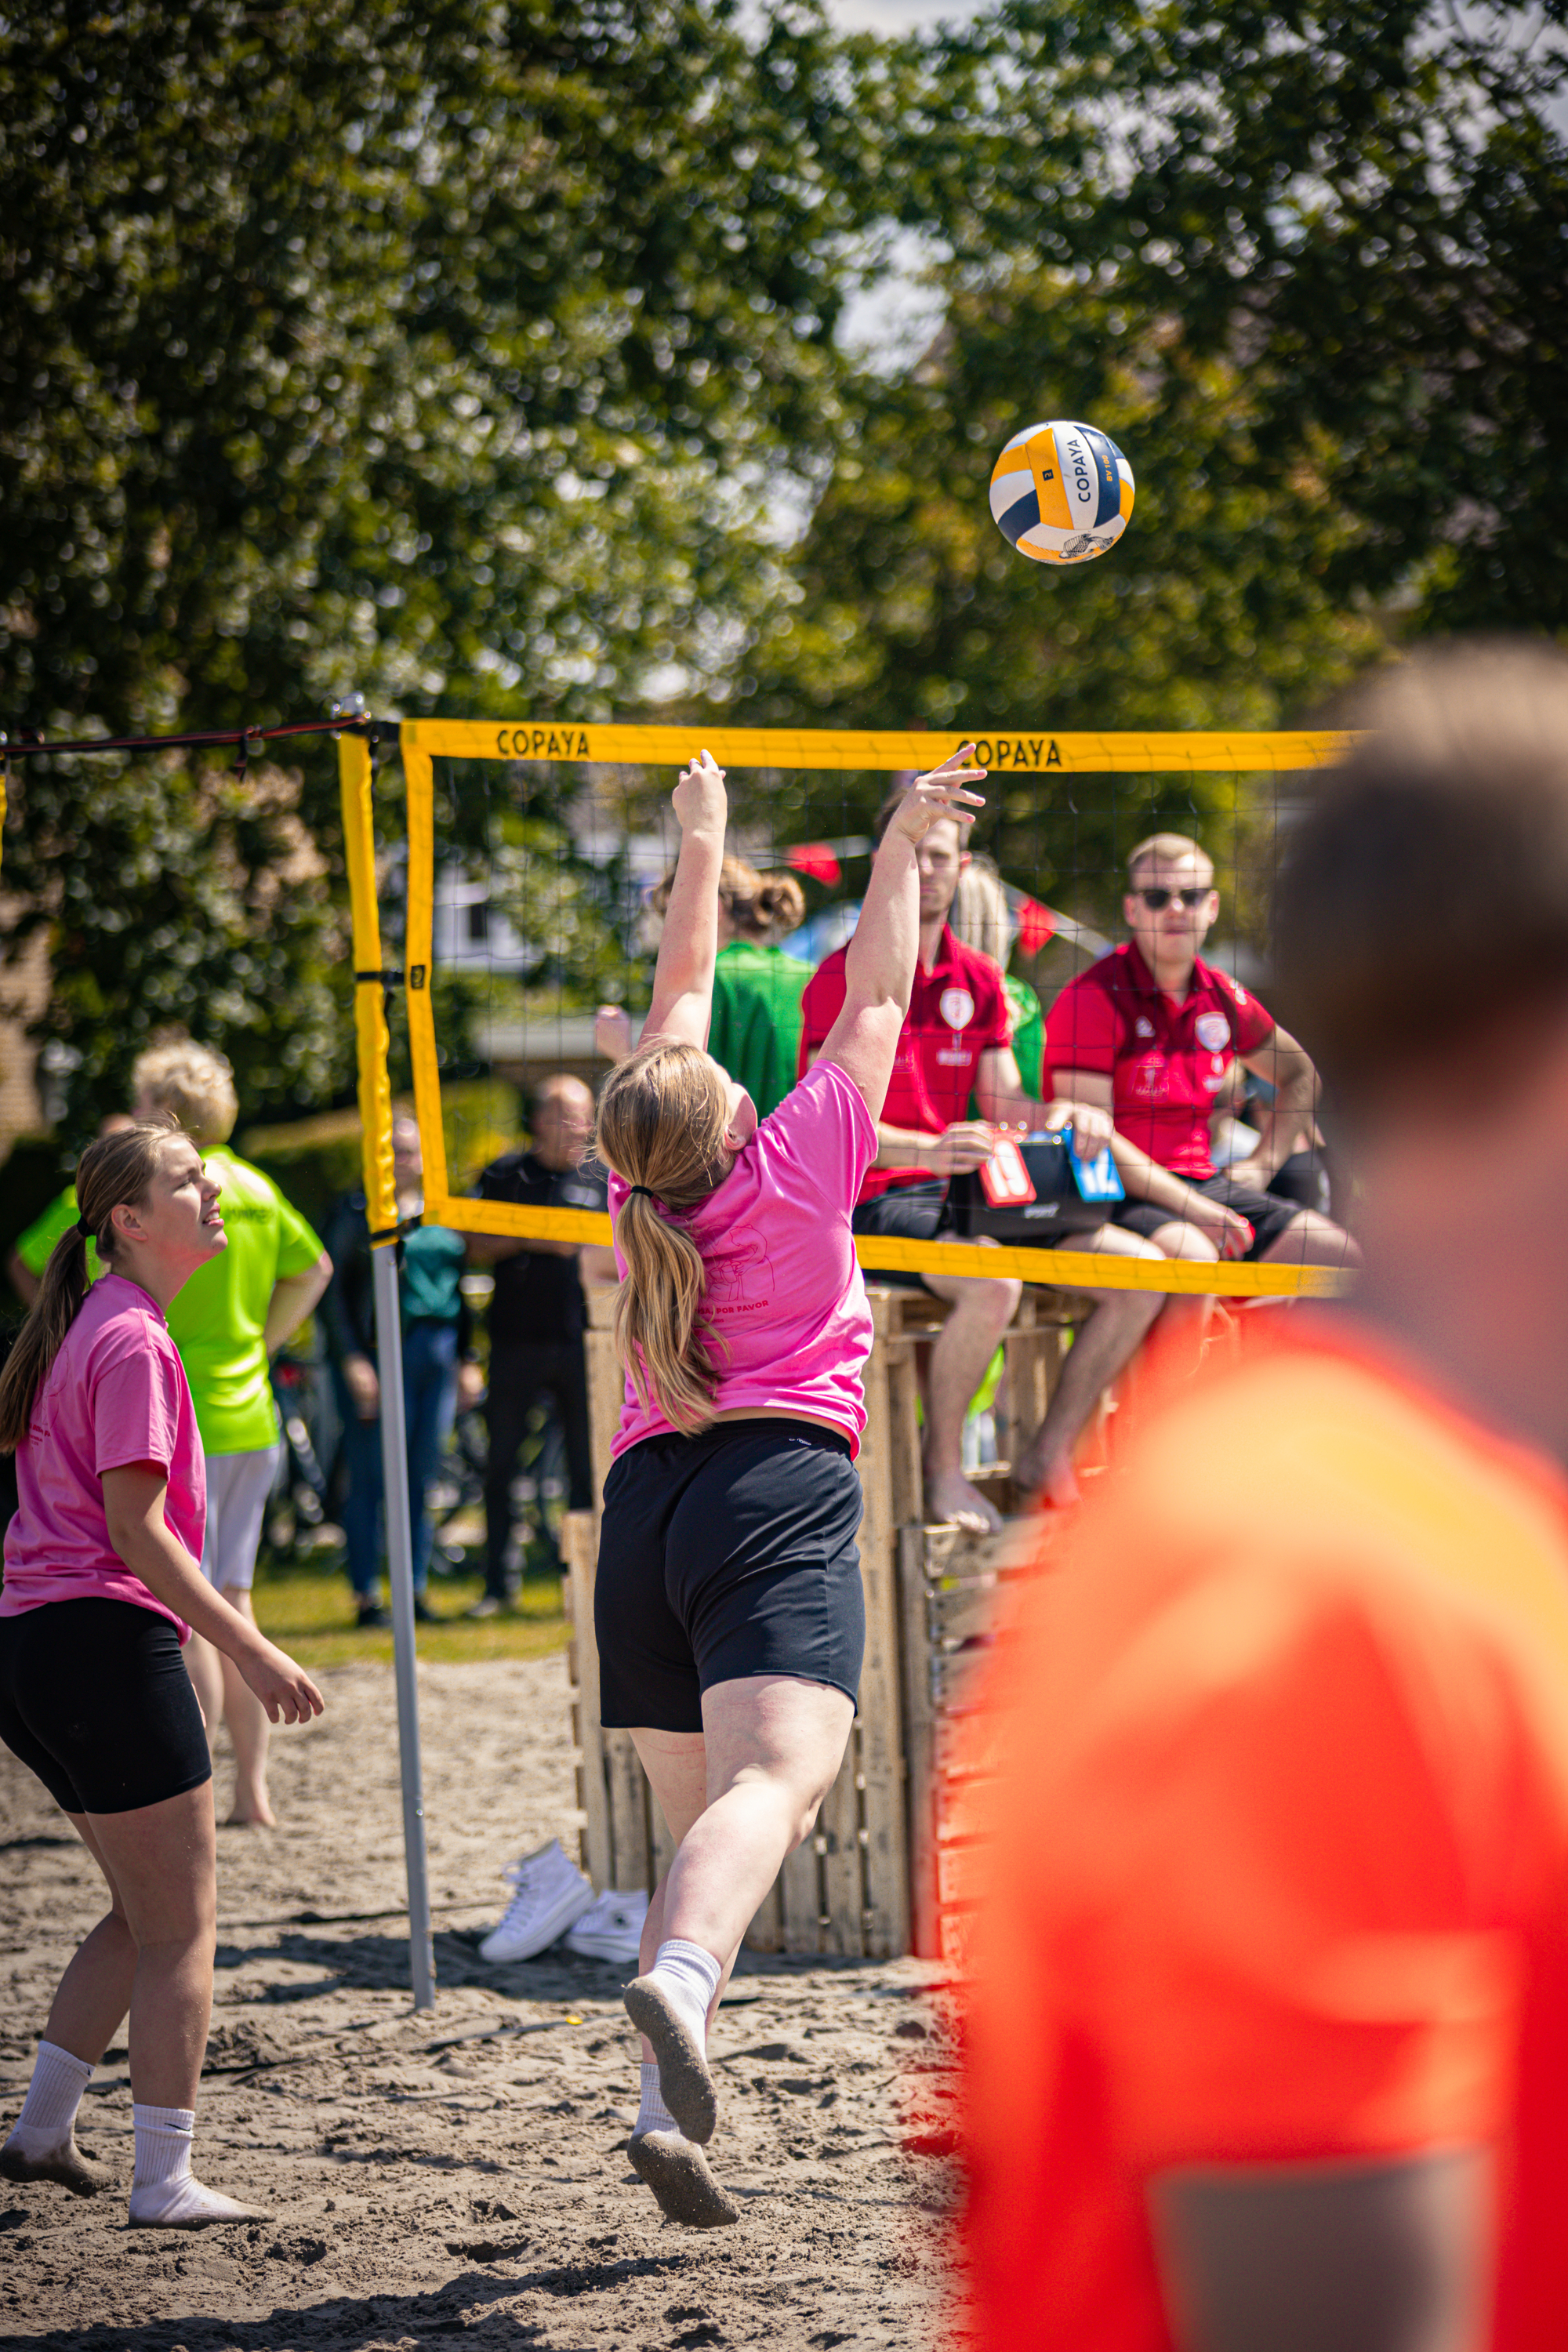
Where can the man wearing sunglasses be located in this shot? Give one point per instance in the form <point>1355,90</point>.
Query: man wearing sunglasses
<point>1150,1033</point>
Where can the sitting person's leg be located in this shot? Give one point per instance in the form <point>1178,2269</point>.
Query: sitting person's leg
<point>1120,1322</point>
<point>960,1354</point>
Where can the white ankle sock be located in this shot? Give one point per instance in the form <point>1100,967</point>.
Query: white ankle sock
<point>54,2094</point>
<point>163,2137</point>
<point>691,1977</point>
<point>653,2114</point>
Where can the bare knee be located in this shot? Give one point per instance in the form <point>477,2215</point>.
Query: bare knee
<point>985,1306</point>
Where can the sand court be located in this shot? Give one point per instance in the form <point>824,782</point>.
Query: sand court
<point>462,2172</point>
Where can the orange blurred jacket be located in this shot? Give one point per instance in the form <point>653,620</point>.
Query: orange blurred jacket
<point>1279,1852</point>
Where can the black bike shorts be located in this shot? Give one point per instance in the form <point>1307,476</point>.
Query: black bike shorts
<point>1266,1212</point>
<point>724,1556</point>
<point>95,1700</point>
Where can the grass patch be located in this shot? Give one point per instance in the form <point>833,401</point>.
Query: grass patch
<point>306,1608</point>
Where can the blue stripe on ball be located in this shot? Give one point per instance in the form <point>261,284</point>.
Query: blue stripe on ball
<point>1109,474</point>
<point>1022,516</point>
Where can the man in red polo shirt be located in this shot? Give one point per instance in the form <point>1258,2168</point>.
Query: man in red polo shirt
<point>1150,1033</point>
<point>954,1044</point>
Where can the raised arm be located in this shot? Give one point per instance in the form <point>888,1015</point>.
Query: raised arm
<point>880,968</point>
<point>683,977</point>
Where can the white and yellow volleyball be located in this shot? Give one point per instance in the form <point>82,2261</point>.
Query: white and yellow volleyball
<point>1061,492</point>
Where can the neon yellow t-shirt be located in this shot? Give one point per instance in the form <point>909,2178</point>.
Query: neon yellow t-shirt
<point>36,1246</point>
<point>218,1319</point>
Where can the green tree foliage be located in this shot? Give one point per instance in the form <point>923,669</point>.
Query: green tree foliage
<point>448,353</point>
<point>1309,268</point>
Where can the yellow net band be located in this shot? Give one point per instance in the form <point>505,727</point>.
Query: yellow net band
<point>1033,749</point>
<point>1060,1269</point>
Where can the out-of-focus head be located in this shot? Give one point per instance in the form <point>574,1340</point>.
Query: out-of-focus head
<point>407,1153</point>
<point>193,1083</point>
<point>981,916</point>
<point>114,1122</point>
<point>941,857</point>
<point>1421,917</point>
<point>760,908</point>
<point>562,1120</point>
<point>1171,900</point>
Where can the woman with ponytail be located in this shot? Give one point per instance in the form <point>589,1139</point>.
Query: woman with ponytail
<point>728,1604</point>
<point>103,1584</point>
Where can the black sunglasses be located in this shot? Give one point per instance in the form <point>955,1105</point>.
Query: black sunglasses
<point>1155,899</point>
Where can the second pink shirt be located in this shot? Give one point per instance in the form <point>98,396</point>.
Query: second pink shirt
<point>116,1394</point>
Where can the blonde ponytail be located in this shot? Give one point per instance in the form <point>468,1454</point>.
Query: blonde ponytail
<point>118,1168</point>
<point>662,1118</point>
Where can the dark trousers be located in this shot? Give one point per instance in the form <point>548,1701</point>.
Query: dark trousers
<point>518,1377</point>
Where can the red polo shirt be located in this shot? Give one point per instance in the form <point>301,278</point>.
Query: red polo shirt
<point>1166,1060</point>
<point>957,1012</point>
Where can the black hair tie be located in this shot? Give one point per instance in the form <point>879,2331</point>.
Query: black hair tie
<point>645,1189</point>
<point>85,1230</point>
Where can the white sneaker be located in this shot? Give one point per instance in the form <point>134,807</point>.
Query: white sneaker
<point>550,1892</point>
<point>612,1929</point>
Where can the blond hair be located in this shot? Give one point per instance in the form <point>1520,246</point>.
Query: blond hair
<point>193,1083</point>
<point>1174,846</point>
<point>662,1118</point>
<point>117,1169</point>
<point>980,916</point>
<point>761,905</point>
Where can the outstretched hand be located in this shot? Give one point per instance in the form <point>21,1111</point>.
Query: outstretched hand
<point>939,793</point>
<point>698,798</point>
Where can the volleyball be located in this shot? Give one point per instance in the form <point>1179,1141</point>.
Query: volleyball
<point>1061,492</point>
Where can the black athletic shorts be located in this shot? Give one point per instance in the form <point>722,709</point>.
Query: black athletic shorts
<point>1266,1212</point>
<point>724,1556</point>
<point>95,1700</point>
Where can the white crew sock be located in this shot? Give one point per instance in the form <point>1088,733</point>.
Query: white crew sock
<point>653,2114</point>
<point>165,2193</point>
<point>690,1977</point>
<point>54,2094</point>
<point>163,2137</point>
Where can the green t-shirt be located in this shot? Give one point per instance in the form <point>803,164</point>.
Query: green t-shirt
<point>218,1319</point>
<point>1028,1023</point>
<point>36,1246</point>
<point>756,1019</point>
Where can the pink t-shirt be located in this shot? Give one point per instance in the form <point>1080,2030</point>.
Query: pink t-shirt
<point>784,1289</point>
<point>116,1394</point>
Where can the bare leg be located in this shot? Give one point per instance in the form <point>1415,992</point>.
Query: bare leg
<point>249,1729</point>
<point>204,1664</point>
<point>162,1862</point>
<point>1120,1322</point>
<point>94,1993</point>
<point>1311,1239</point>
<point>964,1346</point>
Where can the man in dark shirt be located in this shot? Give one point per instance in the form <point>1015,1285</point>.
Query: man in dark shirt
<point>537,1316</point>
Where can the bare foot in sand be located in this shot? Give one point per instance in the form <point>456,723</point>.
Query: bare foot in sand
<point>251,1811</point>
<point>950,1496</point>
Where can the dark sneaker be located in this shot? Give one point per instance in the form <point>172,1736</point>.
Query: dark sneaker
<point>373,1617</point>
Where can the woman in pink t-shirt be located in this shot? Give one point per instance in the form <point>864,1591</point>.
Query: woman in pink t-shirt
<point>103,1583</point>
<point>728,1604</point>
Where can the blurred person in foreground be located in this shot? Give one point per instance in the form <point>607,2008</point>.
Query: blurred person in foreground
<point>437,1368</point>
<point>1267,2041</point>
<point>229,1321</point>
<point>537,1315</point>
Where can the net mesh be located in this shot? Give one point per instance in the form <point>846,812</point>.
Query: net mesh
<point>529,876</point>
